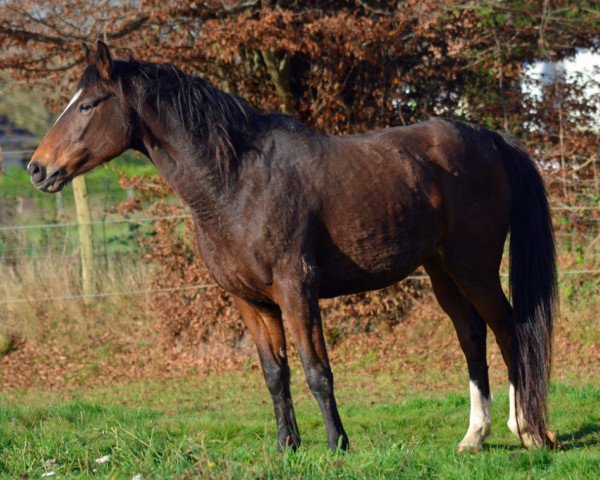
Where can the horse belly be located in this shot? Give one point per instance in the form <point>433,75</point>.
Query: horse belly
<point>372,253</point>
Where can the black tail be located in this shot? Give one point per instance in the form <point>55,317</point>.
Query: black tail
<point>532,284</point>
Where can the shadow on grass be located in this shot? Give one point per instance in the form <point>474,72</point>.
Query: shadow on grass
<point>502,446</point>
<point>588,435</point>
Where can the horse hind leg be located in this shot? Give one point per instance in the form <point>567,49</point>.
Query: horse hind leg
<point>480,284</point>
<point>471,330</point>
<point>497,310</point>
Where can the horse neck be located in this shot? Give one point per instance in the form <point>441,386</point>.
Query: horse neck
<point>183,162</point>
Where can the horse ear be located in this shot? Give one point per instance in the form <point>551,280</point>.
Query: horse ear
<point>104,61</point>
<point>88,55</point>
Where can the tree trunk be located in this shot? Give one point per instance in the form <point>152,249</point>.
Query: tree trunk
<point>279,71</point>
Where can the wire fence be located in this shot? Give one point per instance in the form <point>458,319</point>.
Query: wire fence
<point>584,213</point>
<point>42,226</point>
<point>16,152</point>
<point>107,294</point>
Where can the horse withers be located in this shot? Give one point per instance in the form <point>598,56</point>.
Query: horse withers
<point>285,216</point>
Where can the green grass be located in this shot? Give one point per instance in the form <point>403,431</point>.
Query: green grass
<point>223,427</point>
<point>103,180</point>
<point>38,208</point>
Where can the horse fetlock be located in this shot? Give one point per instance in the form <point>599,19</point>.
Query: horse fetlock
<point>530,440</point>
<point>339,442</point>
<point>288,440</point>
<point>513,426</point>
<point>474,438</point>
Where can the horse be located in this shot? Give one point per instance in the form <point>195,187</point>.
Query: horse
<point>285,216</point>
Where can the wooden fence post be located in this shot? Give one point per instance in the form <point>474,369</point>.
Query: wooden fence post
<point>84,218</point>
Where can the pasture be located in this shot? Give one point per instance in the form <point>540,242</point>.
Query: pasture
<point>122,358</point>
<point>23,206</point>
<point>222,427</point>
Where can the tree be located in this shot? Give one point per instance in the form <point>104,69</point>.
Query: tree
<point>340,65</point>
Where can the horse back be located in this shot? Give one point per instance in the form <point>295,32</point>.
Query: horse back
<point>393,198</point>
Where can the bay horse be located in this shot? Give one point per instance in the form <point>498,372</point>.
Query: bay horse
<point>285,216</point>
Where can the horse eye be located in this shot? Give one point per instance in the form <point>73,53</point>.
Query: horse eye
<point>85,107</point>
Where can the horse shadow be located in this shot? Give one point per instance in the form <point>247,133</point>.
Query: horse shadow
<point>587,435</point>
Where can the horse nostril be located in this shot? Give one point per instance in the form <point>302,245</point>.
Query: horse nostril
<point>37,172</point>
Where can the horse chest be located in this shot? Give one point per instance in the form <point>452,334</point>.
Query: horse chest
<point>234,267</point>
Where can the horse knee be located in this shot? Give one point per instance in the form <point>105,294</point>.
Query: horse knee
<point>277,376</point>
<point>273,379</point>
<point>320,382</point>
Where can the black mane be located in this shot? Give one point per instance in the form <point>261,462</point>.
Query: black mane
<point>220,119</point>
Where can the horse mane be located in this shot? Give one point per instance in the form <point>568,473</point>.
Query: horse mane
<point>220,120</point>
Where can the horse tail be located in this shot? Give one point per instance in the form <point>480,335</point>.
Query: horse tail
<point>533,287</point>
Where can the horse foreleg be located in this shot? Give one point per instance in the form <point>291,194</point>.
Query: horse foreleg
<point>266,327</point>
<point>302,316</point>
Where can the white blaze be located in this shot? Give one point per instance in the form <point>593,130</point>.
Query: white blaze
<point>73,100</point>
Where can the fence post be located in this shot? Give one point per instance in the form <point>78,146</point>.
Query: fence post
<point>84,218</point>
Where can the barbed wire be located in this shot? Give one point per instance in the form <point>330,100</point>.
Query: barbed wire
<point>573,208</point>
<point>74,255</point>
<point>108,294</point>
<point>16,190</point>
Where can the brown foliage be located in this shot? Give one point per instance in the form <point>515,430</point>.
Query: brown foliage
<point>340,65</point>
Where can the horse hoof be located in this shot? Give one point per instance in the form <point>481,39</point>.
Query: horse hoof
<point>532,442</point>
<point>342,444</point>
<point>550,440</point>
<point>288,443</point>
<point>469,449</point>
<point>473,440</point>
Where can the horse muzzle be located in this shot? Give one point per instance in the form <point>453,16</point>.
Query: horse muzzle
<point>50,181</point>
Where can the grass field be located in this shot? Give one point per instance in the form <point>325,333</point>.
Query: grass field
<point>103,180</point>
<point>222,427</point>
<point>22,205</point>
